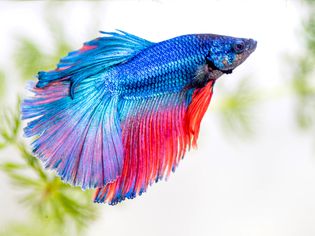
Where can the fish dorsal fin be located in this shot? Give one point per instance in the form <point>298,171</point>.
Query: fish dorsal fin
<point>95,56</point>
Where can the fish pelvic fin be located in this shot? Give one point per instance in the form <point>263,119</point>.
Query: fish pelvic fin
<point>197,108</point>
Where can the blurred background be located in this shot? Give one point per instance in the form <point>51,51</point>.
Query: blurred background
<point>254,170</point>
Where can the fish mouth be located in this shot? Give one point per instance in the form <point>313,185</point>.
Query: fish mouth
<point>252,44</point>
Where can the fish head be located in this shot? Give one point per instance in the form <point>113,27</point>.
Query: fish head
<point>225,53</point>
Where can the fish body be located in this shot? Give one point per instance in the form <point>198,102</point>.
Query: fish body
<point>165,67</point>
<point>168,66</point>
<point>120,113</point>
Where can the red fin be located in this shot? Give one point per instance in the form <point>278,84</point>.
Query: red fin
<point>154,142</point>
<point>197,108</point>
<point>156,132</point>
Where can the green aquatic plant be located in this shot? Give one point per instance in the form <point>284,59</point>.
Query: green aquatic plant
<point>50,201</point>
<point>304,74</point>
<point>54,208</point>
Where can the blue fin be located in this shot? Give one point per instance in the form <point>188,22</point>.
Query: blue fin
<point>81,137</point>
<point>94,57</point>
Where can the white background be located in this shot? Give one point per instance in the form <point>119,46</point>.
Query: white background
<point>260,186</point>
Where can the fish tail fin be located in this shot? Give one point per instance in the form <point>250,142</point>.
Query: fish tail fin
<point>80,138</point>
<point>74,117</point>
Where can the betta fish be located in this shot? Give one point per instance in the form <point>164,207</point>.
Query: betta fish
<point>120,113</point>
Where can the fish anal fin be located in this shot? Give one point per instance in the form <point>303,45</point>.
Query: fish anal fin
<point>154,140</point>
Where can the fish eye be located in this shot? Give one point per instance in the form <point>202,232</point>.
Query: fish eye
<point>239,46</point>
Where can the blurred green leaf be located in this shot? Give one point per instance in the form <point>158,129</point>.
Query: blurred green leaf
<point>2,84</point>
<point>55,207</point>
<point>46,195</point>
<point>32,227</point>
<point>22,180</point>
<point>236,109</point>
<point>2,145</point>
<point>310,2</point>
<point>10,124</point>
<point>29,58</point>
<point>304,76</point>
<point>11,166</point>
